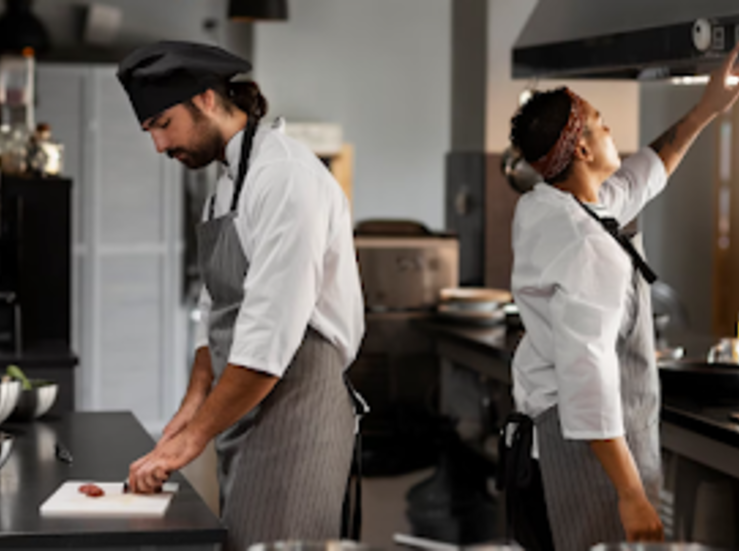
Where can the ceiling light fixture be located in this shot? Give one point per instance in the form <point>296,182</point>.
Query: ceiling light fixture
<point>20,29</point>
<point>700,79</point>
<point>257,10</point>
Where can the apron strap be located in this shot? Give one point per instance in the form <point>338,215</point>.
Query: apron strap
<point>246,145</point>
<point>351,511</point>
<point>610,224</point>
<point>247,141</point>
<point>212,207</point>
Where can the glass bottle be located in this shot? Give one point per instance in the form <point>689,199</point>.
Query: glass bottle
<point>14,159</point>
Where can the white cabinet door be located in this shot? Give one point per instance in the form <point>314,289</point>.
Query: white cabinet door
<point>129,324</point>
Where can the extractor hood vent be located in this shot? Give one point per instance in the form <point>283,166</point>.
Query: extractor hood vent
<point>630,39</point>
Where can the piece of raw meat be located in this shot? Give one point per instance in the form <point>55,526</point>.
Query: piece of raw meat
<point>90,490</point>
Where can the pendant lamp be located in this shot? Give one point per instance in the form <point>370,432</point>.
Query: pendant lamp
<point>21,29</point>
<point>257,10</point>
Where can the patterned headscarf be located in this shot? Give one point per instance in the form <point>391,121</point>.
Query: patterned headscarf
<point>559,157</point>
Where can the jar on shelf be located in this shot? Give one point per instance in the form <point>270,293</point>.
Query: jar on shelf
<point>45,156</point>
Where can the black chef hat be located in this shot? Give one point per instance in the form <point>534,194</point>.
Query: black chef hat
<point>163,74</point>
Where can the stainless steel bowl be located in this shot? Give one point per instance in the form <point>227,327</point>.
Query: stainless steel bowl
<point>9,394</point>
<point>652,547</point>
<point>299,545</point>
<point>35,402</point>
<point>6,446</point>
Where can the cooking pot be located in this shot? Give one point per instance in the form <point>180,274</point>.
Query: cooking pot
<point>520,175</point>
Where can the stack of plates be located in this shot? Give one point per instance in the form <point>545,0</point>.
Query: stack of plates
<point>475,306</point>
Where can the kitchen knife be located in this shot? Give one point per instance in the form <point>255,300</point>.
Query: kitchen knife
<point>167,487</point>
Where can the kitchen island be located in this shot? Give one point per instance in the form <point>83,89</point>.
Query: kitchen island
<point>102,446</point>
<point>699,440</point>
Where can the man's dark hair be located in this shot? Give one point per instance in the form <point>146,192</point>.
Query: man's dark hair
<point>537,125</point>
<point>243,95</point>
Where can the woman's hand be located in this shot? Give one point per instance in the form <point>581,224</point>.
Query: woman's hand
<point>639,519</point>
<point>719,95</point>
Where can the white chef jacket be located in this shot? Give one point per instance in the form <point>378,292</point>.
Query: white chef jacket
<point>570,281</point>
<point>294,224</point>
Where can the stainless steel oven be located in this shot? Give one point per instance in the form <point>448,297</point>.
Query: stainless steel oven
<point>404,266</point>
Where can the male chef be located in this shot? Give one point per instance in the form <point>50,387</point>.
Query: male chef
<point>282,310</point>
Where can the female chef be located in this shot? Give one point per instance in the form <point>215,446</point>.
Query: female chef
<point>585,383</point>
<point>282,303</point>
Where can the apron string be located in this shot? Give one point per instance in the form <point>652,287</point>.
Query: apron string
<point>351,511</point>
<point>610,224</point>
<point>247,141</point>
<point>246,145</point>
<point>212,207</point>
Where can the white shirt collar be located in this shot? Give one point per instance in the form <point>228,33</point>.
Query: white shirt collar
<point>551,191</point>
<point>233,154</point>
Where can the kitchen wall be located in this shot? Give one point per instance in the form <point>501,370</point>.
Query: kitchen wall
<point>381,69</point>
<point>679,224</point>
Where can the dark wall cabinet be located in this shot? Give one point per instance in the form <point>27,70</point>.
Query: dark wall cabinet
<point>35,257</point>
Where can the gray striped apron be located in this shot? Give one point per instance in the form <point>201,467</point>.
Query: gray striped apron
<point>582,503</point>
<point>283,467</point>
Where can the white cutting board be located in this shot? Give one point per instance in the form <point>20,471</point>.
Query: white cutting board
<point>67,501</point>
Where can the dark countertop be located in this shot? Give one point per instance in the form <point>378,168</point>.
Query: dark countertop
<point>103,445</point>
<point>710,419</point>
<point>45,354</point>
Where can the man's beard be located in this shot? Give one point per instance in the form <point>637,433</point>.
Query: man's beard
<point>206,146</point>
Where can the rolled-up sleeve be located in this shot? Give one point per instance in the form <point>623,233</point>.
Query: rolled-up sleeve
<point>586,313</point>
<point>204,301</point>
<point>642,177</point>
<point>201,330</point>
<point>288,231</point>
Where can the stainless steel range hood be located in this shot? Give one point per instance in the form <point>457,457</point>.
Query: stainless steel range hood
<point>636,39</point>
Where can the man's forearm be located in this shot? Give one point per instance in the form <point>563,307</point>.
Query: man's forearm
<point>615,457</point>
<point>676,141</point>
<point>238,391</point>
<point>201,377</point>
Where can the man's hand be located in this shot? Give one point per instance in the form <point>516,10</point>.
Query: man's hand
<point>639,519</point>
<point>237,392</point>
<point>147,475</point>
<point>719,96</point>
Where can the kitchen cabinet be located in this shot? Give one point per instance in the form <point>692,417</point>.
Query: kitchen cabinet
<point>129,326</point>
<point>35,267</point>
